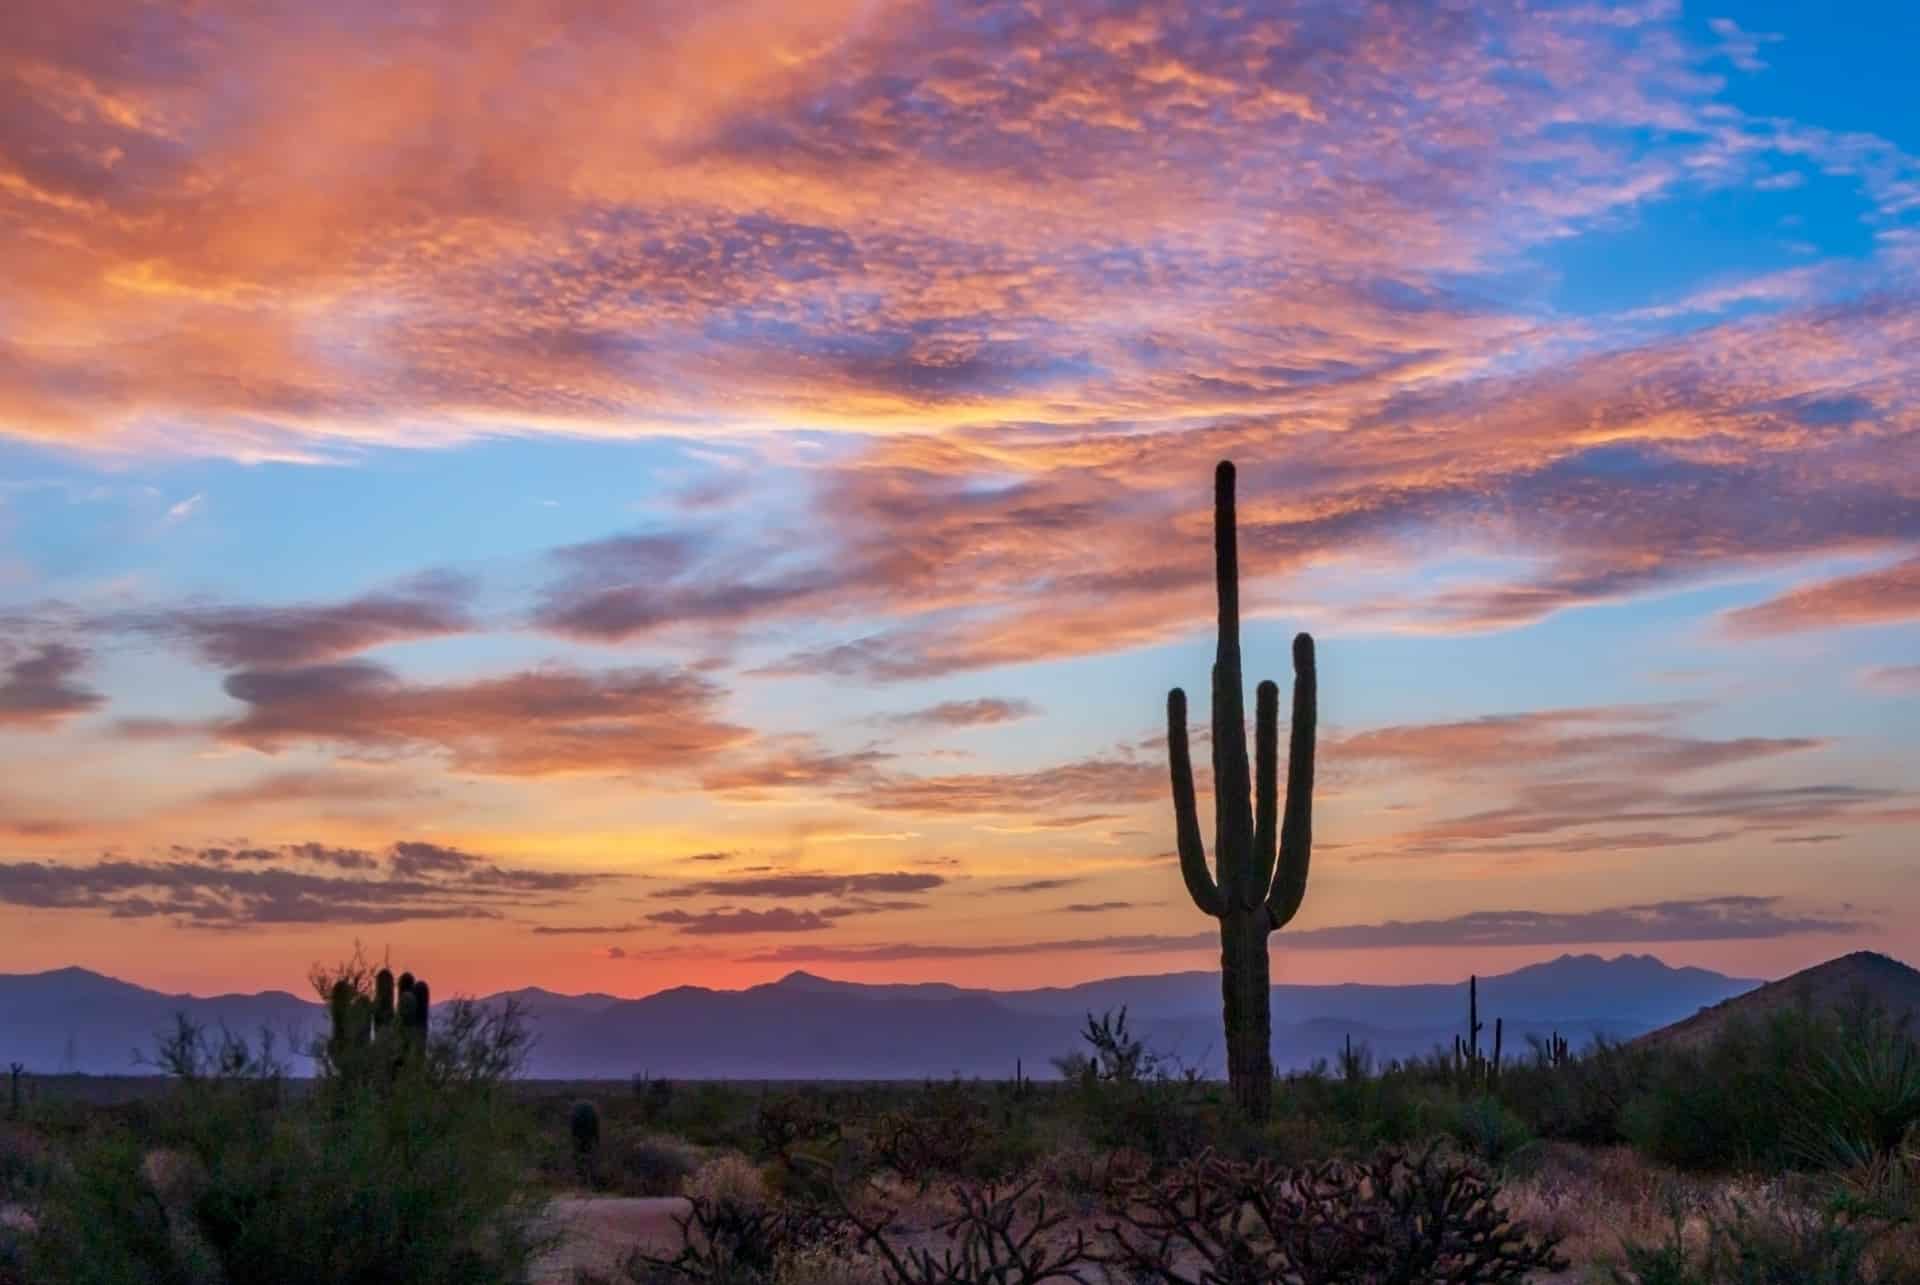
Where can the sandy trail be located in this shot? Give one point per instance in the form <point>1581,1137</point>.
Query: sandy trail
<point>600,1231</point>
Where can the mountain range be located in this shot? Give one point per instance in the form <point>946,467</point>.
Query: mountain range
<point>809,1027</point>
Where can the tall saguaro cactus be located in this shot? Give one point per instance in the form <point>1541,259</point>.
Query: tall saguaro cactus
<point>1259,876</point>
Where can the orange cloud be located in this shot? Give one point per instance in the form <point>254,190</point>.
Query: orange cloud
<point>277,233</point>
<point>1556,739</point>
<point>1095,780</point>
<point>1879,597</point>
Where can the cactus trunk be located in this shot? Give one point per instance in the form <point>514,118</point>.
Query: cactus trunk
<point>1244,988</point>
<point>1260,858</point>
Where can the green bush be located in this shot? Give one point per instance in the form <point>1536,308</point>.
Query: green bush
<point>1858,1096</point>
<point>380,1172</point>
<point>1583,1100</point>
<point>1487,1129</point>
<point>1832,1090</point>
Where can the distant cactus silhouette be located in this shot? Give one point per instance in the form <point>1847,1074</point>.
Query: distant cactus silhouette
<point>583,1122</point>
<point>422,1007</point>
<point>373,1035</point>
<point>1474,1024</point>
<point>1260,877</point>
<point>383,999</point>
<point>15,1071</point>
<point>1472,1066</point>
<point>342,1010</point>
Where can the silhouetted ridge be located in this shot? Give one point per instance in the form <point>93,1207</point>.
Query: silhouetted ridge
<point>1864,973</point>
<point>806,1025</point>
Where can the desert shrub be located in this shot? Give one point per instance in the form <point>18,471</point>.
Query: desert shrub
<point>729,1176</point>
<point>1833,1090</point>
<point>1857,1096</point>
<point>715,1115</point>
<point>729,1241</point>
<point>1295,1140</point>
<point>1164,1118</point>
<point>409,1176</point>
<point>793,1119</point>
<point>1428,1216</point>
<point>1089,1176</point>
<point>941,1133</point>
<point>1354,1113</point>
<point>1583,1100</point>
<point>1007,1151</point>
<point>25,1162</point>
<point>1487,1129</point>
<point>655,1096</point>
<point>647,1164</point>
<point>826,1264</point>
<point>1723,1106</point>
<point>1781,1245</point>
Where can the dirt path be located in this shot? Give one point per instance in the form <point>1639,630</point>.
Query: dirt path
<point>600,1231</point>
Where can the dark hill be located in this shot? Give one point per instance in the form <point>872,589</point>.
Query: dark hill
<point>1878,978</point>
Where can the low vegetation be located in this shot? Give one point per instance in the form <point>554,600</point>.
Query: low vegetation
<point>403,1161</point>
<point>1784,1149</point>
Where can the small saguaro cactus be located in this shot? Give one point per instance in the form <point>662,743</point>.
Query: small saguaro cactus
<point>1474,1025</point>
<point>1260,860</point>
<point>15,1071</point>
<point>583,1122</point>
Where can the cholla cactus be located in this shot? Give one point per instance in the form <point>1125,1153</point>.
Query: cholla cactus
<point>1260,860</point>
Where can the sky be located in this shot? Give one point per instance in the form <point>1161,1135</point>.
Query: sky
<point>613,496</point>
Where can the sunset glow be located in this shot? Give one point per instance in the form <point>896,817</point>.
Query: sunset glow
<point>615,496</point>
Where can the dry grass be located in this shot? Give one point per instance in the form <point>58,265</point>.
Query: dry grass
<point>1596,1198</point>
<point>727,1176</point>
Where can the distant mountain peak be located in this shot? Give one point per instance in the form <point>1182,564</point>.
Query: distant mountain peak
<point>801,979</point>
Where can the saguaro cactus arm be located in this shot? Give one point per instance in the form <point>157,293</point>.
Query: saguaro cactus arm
<point>1266,787</point>
<point>1186,812</point>
<point>1296,831</point>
